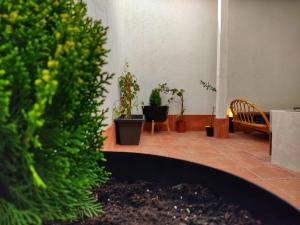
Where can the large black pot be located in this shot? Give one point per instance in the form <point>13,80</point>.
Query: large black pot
<point>156,113</point>
<point>128,131</point>
<point>265,206</point>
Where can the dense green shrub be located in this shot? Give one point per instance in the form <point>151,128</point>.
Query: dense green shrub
<point>51,90</point>
<point>155,99</point>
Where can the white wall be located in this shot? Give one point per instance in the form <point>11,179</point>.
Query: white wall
<point>174,41</point>
<point>170,41</point>
<point>98,10</point>
<point>264,52</point>
<point>104,10</point>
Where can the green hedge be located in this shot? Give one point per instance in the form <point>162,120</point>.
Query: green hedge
<point>51,89</point>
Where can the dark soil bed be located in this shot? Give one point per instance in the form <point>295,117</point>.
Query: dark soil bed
<point>146,203</point>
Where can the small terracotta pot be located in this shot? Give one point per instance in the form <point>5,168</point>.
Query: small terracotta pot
<point>180,126</point>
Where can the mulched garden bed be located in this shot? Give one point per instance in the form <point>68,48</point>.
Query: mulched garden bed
<point>146,203</point>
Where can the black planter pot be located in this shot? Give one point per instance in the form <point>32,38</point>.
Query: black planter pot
<point>156,113</point>
<point>262,204</point>
<point>209,131</point>
<point>128,131</point>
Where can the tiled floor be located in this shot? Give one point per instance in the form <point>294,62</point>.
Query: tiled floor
<point>244,155</point>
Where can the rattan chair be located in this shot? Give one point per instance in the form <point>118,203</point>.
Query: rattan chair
<point>245,114</point>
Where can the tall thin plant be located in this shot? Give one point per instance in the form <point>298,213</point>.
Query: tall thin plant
<point>209,87</point>
<point>173,92</point>
<point>129,89</point>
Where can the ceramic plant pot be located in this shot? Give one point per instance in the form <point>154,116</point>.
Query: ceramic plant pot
<point>156,113</point>
<point>180,126</point>
<point>128,131</point>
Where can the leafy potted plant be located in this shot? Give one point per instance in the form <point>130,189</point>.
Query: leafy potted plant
<point>155,111</point>
<point>210,128</point>
<point>174,92</point>
<point>128,126</point>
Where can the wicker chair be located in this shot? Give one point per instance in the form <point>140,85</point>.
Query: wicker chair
<point>246,113</point>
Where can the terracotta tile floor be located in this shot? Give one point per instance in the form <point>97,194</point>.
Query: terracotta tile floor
<point>244,155</point>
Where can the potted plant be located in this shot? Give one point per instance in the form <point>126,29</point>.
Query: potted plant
<point>174,92</point>
<point>210,128</point>
<point>155,111</point>
<point>128,126</point>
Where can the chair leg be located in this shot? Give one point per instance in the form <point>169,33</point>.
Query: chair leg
<point>152,127</point>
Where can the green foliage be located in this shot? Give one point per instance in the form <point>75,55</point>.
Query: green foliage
<point>129,89</point>
<point>51,89</point>
<point>207,86</point>
<point>155,99</point>
<point>173,92</point>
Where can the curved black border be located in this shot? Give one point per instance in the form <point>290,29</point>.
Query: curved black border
<point>264,205</point>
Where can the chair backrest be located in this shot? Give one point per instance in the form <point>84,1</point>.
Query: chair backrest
<point>245,112</point>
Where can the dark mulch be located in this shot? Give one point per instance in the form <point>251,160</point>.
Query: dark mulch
<point>145,203</point>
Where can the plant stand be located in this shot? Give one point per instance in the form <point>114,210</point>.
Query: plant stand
<point>165,123</point>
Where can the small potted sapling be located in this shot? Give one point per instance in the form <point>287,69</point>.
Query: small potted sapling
<point>128,126</point>
<point>210,128</point>
<point>155,111</point>
<point>174,92</point>
<point>180,122</point>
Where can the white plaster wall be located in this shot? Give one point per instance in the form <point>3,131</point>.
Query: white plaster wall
<point>264,52</point>
<point>104,10</point>
<point>170,41</point>
<point>98,10</point>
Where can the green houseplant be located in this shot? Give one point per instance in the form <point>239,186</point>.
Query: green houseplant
<point>155,111</point>
<point>128,126</point>
<point>210,128</point>
<point>51,80</point>
<point>155,99</point>
<point>174,94</point>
